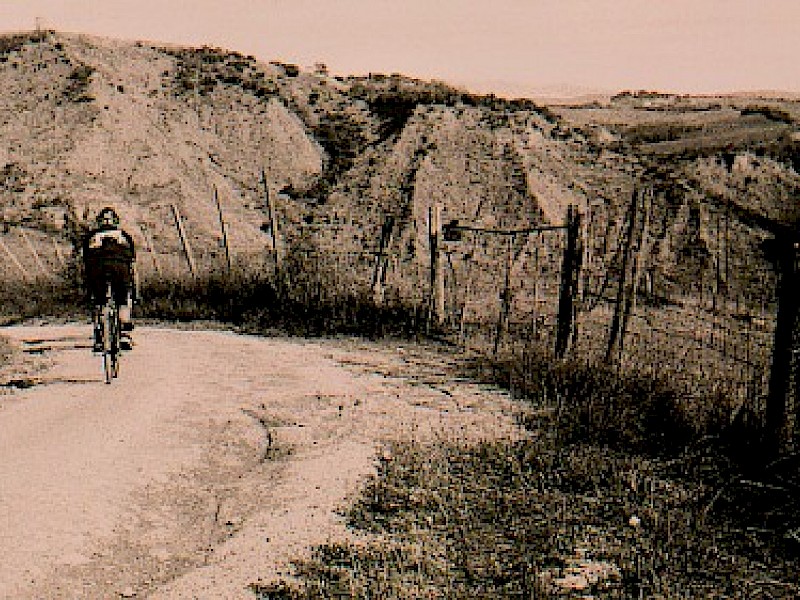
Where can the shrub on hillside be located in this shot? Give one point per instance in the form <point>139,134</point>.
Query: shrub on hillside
<point>79,81</point>
<point>658,132</point>
<point>12,43</point>
<point>770,112</point>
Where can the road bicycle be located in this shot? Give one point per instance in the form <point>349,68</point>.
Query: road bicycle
<point>109,324</point>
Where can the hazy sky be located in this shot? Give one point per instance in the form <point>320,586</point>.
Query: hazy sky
<point>506,46</point>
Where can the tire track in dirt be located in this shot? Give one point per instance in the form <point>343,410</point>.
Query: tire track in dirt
<point>212,462</point>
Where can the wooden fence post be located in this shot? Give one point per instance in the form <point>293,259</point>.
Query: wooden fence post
<point>224,231</point>
<point>379,274</point>
<point>436,271</point>
<point>505,297</point>
<point>187,250</point>
<point>272,217</point>
<point>640,251</point>
<point>783,401</point>
<point>570,277</point>
<point>58,254</point>
<point>616,331</point>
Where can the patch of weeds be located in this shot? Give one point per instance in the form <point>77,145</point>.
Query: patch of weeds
<point>594,403</point>
<point>256,305</point>
<point>80,79</point>
<point>526,519</point>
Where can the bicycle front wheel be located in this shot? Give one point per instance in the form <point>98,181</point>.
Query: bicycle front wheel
<point>115,343</point>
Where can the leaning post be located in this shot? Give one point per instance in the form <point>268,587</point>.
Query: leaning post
<point>570,277</point>
<point>272,217</point>
<point>187,250</point>
<point>379,273</point>
<point>783,402</point>
<point>616,331</point>
<point>223,231</point>
<point>436,271</point>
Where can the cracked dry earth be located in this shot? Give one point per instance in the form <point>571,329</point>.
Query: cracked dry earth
<point>212,462</point>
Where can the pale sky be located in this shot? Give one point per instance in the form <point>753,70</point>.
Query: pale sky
<point>510,47</point>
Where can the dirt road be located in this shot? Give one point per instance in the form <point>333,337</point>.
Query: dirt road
<point>211,463</point>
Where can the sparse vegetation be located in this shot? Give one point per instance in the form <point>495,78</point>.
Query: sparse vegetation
<point>662,132</point>
<point>617,499</point>
<point>770,112</point>
<point>80,79</point>
<point>200,71</point>
<point>13,42</point>
<point>262,305</point>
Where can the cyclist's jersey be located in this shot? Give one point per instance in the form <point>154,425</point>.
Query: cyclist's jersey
<point>109,245</point>
<point>108,256</point>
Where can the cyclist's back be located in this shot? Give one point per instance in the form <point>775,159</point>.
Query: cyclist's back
<point>109,254</point>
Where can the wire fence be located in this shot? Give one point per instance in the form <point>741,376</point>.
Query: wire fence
<point>694,294</point>
<point>690,297</point>
<point>679,291</point>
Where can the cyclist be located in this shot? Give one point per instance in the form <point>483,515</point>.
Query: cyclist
<point>109,256</point>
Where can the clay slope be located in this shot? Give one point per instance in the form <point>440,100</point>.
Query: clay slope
<point>143,126</point>
<point>90,122</point>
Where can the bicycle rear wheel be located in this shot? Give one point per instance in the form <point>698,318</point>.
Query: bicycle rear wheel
<point>111,332</point>
<point>110,367</point>
<point>115,343</point>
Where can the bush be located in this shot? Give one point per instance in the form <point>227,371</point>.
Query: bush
<point>258,304</point>
<point>596,404</point>
<point>770,112</point>
<point>79,81</point>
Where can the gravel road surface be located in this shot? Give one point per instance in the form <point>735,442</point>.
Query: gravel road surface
<point>212,462</point>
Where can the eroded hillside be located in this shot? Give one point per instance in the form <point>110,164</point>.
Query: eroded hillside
<point>89,122</point>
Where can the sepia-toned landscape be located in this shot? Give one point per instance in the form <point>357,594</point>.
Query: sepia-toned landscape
<point>395,339</point>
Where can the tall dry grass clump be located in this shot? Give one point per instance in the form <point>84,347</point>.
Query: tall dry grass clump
<point>297,302</point>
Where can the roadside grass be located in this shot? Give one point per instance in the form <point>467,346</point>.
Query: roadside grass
<point>260,305</point>
<point>255,303</point>
<point>524,520</point>
<point>622,490</point>
<point>41,298</point>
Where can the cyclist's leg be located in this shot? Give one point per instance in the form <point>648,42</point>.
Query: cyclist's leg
<point>95,297</point>
<point>125,310</point>
<point>124,298</point>
<point>97,327</point>
<point>125,340</point>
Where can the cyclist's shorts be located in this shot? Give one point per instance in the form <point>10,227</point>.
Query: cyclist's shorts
<point>99,273</point>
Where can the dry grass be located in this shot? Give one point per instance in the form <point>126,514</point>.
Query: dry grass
<point>536,520</point>
<point>261,305</point>
<point>617,494</point>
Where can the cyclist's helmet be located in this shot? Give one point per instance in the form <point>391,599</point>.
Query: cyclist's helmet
<point>107,218</point>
